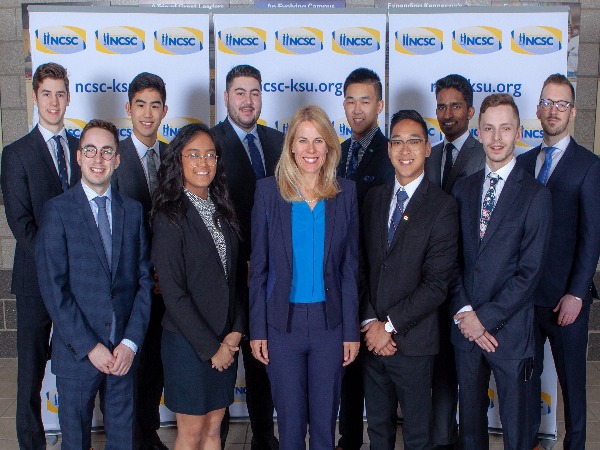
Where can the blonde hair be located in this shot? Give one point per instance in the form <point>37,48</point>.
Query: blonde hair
<point>289,178</point>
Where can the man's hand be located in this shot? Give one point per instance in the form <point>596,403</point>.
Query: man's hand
<point>222,359</point>
<point>389,349</point>
<point>260,350</point>
<point>123,360</point>
<point>469,325</point>
<point>233,340</point>
<point>487,342</point>
<point>568,309</point>
<point>101,358</point>
<point>376,337</point>
<point>350,352</point>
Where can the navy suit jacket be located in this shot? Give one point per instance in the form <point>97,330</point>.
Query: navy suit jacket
<point>76,283</point>
<point>29,179</point>
<point>374,169</point>
<point>499,274</point>
<point>271,260</point>
<point>575,240</point>
<point>470,159</point>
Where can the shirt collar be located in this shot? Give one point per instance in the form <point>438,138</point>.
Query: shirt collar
<point>366,140</point>
<point>505,171</point>
<point>242,133</point>
<point>91,194</point>
<point>47,134</point>
<point>141,148</point>
<point>411,187</point>
<point>458,142</point>
<point>561,145</point>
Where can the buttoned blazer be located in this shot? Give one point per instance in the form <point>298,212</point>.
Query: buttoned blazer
<point>499,274</point>
<point>271,260</point>
<point>575,237</point>
<point>130,178</point>
<point>470,159</point>
<point>201,302</point>
<point>374,169</point>
<point>29,179</point>
<point>409,280</point>
<point>79,289</point>
<point>241,180</point>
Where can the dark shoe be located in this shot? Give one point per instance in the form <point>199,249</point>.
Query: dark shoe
<point>153,443</point>
<point>271,444</point>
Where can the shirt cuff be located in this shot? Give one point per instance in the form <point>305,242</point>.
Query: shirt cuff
<point>132,345</point>
<point>364,322</point>
<point>461,310</point>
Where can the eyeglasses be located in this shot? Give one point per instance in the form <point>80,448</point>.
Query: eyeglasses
<point>561,105</point>
<point>106,153</point>
<point>195,158</point>
<point>412,144</point>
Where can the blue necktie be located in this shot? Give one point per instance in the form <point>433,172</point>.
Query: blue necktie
<point>447,164</point>
<point>62,163</point>
<point>545,170</point>
<point>255,158</point>
<point>353,160</point>
<point>401,197</point>
<point>104,228</point>
<point>489,202</point>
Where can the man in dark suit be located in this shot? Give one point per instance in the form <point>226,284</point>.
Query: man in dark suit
<point>94,269</point>
<point>457,156</point>
<point>250,152</point>
<point>563,297</point>
<point>136,178</point>
<point>409,233</point>
<point>504,217</point>
<point>37,167</point>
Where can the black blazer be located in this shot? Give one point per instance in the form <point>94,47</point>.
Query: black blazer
<point>575,240</point>
<point>375,167</point>
<point>241,180</point>
<point>201,303</point>
<point>409,281</point>
<point>29,179</point>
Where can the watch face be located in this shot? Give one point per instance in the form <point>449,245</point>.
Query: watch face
<point>388,327</point>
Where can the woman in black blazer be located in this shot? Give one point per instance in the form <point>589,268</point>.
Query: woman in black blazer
<point>194,248</point>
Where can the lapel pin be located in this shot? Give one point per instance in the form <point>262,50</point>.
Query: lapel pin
<point>405,218</point>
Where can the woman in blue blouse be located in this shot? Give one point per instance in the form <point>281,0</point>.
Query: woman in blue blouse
<point>303,284</point>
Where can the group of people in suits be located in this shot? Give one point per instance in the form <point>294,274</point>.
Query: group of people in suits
<point>378,272</point>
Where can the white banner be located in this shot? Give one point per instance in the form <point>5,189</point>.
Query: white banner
<point>303,58</point>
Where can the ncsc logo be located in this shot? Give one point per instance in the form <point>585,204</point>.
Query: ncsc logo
<point>356,41</point>
<point>282,124</point>
<point>299,40</point>
<point>477,40</point>
<point>52,401</point>
<point>178,40</point>
<point>419,41</point>
<point>60,40</point>
<point>536,40</point>
<point>532,135</point>
<point>120,40</point>
<point>171,126</point>
<point>74,126</point>
<point>242,40</point>
<point>342,128</point>
<point>546,404</point>
<point>434,133</point>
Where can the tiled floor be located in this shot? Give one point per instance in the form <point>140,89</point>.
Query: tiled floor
<point>240,433</point>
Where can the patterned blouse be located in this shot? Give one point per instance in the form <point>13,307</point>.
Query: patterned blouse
<point>206,209</point>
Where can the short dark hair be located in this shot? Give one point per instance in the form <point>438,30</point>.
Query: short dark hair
<point>498,100</point>
<point>49,70</point>
<point>458,82</point>
<point>243,70</point>
<point>146,80</point>
<point>408,114</point>
<point>103,124</point>
<point>365,76</point>
<point>559,78</point>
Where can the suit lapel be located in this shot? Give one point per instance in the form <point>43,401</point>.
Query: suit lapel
<point>384,212</point>
<point>285,219</point>
<point>464,155</point>
<point>559,172</point>
<point>118,223</point>
<point>194,217</point>
<point>40,147</point>
<point>132,162</point>
<point>330,216</point>
<point>473,212</point>
<point>414,205</point>
<point>434,165</point>
<point>239,156</point>
<point>529,160</point>
<point>270,154</point>
<point>75,169</point>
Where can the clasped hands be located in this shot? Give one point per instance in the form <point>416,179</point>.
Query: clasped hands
<point>116,363</point>
<point>473,330</point>
<point>225,355</point>
<point>378,340</point>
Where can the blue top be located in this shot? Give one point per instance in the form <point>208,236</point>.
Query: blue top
<point>308,248</point>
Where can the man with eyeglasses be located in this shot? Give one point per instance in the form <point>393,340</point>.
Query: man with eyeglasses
<point>564,294</point>
<point>409,232</point>
<point>94,270</point>
<point>458,155</point>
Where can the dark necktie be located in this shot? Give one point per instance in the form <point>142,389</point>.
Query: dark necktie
<point>447,164</point>
<point>401,197</point>
<point>489,202</point>
<point>545,170</point>
<point>255,158</point>
<point>152,170</point>
<point>353,160</point>
<point>62,163</point>
<point>104,228</point>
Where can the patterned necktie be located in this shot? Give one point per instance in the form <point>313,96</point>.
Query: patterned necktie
<point>401,197</point>
<point>255,158</point>
<point>62,163</point>
<point>489,202</point>
<point>447,164</point>
<point>152,170</point>
<point>545,170</point>
<point>353,160</point>
<point>104,228</point>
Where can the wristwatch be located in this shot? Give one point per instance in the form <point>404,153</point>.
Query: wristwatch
<point>388,327</point>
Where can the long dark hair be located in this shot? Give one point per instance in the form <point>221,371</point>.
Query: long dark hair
<point>169,195</point>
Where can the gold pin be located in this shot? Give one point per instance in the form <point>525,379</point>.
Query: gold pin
<point>405,218</point>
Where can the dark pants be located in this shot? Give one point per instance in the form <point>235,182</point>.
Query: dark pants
<point>306,371</point>
<point>352,405</point>
<point>474,369</point>
<point>33,335</point>
<point>569,348</point>
<point>393,379</point>
<point>77,407</point>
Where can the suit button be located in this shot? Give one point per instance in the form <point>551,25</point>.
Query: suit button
<point>383,266</point>
<point>107,324</point>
